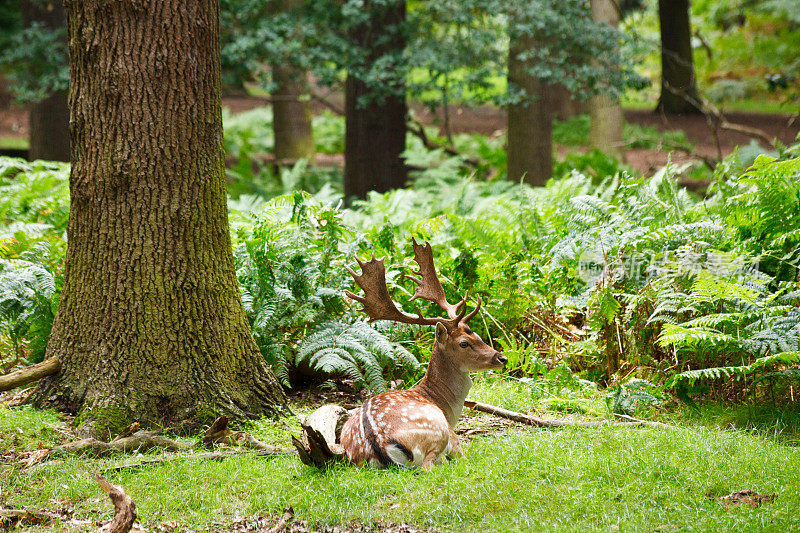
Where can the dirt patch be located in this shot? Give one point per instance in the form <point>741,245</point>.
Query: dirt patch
<point>14,122</point>
<point>286,523</point>
<point>745,497</point>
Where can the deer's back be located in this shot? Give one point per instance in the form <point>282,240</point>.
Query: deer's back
<point>397,427</point>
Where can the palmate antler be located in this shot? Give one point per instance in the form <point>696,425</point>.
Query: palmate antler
<point>379,305</point>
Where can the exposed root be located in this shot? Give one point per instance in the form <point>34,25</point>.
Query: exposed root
<point>219,433</point>
<point>30,374</point>
<point>124,508</point>
<point>140,441</point>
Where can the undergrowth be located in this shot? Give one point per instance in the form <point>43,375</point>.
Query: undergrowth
<point>616,277</point>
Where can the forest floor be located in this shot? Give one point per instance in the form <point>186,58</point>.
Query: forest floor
<point>488,120</point>
<point>692,476</point>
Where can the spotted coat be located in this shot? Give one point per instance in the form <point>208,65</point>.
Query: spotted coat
<point>399,428</point>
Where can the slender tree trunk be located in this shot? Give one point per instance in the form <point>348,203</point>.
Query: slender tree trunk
<point>49,119</point>
<point>605,132</point>
<point>375,130</point>
<point>150,325</point>
<point>564,106</point>
<point>5,94</point>
<point>49,124</point>
<point>291,121</point>
<point>678,83</point>
<point>530,122</point>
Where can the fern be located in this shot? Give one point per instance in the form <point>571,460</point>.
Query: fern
<point>785,358</point>
<point>28,299</point>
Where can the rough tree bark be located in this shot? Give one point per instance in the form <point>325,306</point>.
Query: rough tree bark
<point>291,122</point>
<point>49,119</point>
<point>150,325</point>
<point>678,83</point>
<point>375,130</point>
<point>530,122</point>
<point>606,119</point>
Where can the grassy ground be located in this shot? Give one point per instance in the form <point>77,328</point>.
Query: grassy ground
<point>516,479</point>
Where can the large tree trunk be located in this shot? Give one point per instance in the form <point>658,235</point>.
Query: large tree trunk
<point>49,119</point>
<point>291,121</point>
<point>375,130</point>
<point>606,119</point>
<point>678,84</point>
<point>150,325</point>
<point>530,122</point>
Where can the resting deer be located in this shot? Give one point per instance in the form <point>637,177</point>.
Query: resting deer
<point>414,427</point>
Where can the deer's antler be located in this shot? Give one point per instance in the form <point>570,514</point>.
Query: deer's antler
<point>379,305</point>
<point>376,300</point>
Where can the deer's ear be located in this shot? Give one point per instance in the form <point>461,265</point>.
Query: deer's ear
<point>441,333</point>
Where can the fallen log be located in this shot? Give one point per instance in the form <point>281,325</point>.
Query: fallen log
<point>30,374</point>
<point>553,423</point>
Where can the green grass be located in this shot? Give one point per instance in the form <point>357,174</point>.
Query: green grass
<point>14,143</point>
<point>521,480</point>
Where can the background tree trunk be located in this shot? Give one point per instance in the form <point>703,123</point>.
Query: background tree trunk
<point>606,119</point>
<point>375,131</point>
<point>291,121</point>
<point>49,119</point>
<point>150,325</point>
<point>563,104</point>
<point>678,83</point>
<point>530,122</point>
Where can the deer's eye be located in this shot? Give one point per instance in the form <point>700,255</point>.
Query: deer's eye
<point>464,344</point>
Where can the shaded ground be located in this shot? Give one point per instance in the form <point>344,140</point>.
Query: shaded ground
<point>488,120</point>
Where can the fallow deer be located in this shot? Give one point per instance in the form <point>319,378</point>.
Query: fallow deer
<point>414,428</point>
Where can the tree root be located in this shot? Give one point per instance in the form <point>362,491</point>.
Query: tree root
<point>124,508</point>
<point>553,423</point>
<point>30,374</point>
<point>219,433</point>
<point>139,441</point>
<point>134,440</point>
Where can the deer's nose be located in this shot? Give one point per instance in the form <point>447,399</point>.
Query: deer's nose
<point>500,358</point>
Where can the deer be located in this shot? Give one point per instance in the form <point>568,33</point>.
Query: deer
<point>414,428</point>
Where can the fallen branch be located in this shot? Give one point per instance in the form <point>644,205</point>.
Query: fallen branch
<point>124,508</point>
<point>212,456</point>
<point>553,423</point>
<point>418,129</point>
<point>30,374</point>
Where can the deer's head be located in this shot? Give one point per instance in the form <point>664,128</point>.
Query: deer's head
<point>453,336</point>
<point>464,347</point>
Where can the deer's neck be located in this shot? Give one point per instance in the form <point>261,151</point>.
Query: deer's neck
<point>445,385</point>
